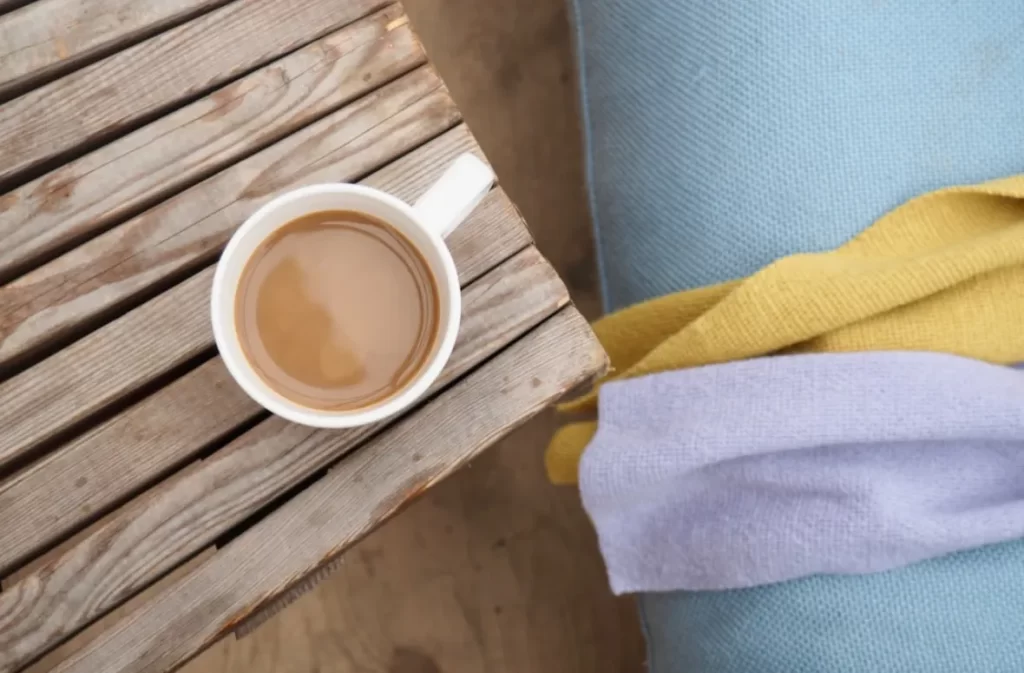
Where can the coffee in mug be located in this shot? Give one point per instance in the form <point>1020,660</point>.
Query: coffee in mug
<point>338,305</point>
<point>337,310</point>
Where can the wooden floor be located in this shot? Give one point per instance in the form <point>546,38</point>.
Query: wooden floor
<point>494,570</point>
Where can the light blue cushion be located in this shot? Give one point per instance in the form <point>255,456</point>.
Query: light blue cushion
<point>723,135</point>
<point>962,613</point>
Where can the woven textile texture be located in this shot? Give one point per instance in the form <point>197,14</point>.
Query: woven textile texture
<point>956,614</point>
<point>724,135</point>
<point>941,273</point>
<point>765,470</point>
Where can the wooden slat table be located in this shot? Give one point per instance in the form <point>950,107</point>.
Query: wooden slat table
<point>147,506</point>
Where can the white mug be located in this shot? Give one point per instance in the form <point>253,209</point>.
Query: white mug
<point>442,208</point>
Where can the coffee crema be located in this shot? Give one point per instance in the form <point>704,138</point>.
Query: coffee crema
<point>337,311</point>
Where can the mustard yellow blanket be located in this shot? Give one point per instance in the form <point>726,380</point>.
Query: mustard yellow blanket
<point>943,272</point>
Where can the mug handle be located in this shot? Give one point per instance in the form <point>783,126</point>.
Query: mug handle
<point>446,204</point>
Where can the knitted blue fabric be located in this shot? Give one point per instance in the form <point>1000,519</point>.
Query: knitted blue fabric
<point>962,613</point>
<point>723,135</point>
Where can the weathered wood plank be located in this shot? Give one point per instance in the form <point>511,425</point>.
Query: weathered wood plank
<point>97,628</point>
<point>352,499</point>
<point>93,192</point>
<point>106,365</point>
<point>98,100</point>
<point>189,229</point>
<point>53,496</point>
<point>56,35</point>
<point>200,503</point>
<point>44,559</point>
<point>69,387</point>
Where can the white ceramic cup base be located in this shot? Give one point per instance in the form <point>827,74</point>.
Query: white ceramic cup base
<point>439,211</point>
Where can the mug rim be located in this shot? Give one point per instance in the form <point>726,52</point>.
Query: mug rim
<point>258,390</point>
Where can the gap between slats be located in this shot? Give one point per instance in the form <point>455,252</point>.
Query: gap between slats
<point>60,121</point>
<point>98,471</point>
<point>527,253</point>
<point>48,216</point>
<point>204,501</point>
<point>364,490</point>
<point>289,593</point>
<point>61,47</point>
<point>75,294</point>
<point>105,367</point>
<point>45,662</point>
<point>95,514</point>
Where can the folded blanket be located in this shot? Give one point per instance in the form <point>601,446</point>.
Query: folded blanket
<point>772,469</point>
<point>944,272</point>
<point>956,614</point>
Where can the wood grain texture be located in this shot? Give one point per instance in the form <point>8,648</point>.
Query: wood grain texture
<point>50,555</point>
<point>194,507</point>
<point>52,497</point>
<point>86,636</point>
<point>494,569</point>
<point>52,35</point>
<point>190,229</point>
<point>91,193</point>
<point>293,593</point>
<point>62,391</point>
<point>356,496</point>
<point>491,570</point>
<point>98,100</point>
<point>111,362</point>
<point>417,596</point>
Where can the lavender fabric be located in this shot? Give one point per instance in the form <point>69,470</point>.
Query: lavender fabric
<point>771,469</point>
